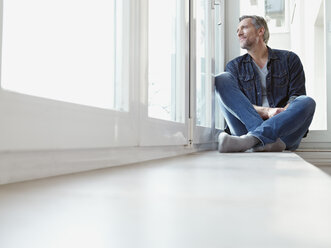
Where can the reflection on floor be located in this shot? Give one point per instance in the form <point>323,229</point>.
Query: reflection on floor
<point>202,200</point>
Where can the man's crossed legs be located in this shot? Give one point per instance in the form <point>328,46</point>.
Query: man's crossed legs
<point>283,131</point>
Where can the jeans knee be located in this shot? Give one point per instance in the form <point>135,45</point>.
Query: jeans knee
<point>223,81</point>
<point>309,103</point>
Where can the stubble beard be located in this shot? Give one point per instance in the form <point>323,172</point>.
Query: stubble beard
<point>247,44</point>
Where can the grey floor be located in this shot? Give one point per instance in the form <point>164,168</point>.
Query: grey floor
<point>326,169</point>
<point>202,200</point>
<point>320,158</point>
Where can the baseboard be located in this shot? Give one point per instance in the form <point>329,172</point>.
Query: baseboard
<point>305,145</point>
<point>29,165</point>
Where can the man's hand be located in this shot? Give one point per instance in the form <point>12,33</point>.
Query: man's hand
<point>274,111</point>
<point>267,112</point>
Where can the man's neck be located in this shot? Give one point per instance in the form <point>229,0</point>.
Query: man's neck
<point>259,55</point>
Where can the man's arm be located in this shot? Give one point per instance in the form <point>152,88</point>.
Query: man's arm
<point>296,77</point>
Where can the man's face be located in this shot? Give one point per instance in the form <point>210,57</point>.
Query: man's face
<point>247,33</point>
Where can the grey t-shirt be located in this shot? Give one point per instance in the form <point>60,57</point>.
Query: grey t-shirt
<point>263,76</point>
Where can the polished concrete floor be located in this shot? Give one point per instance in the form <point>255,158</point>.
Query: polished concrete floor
<point>206,200</point>
<point>326,169</point>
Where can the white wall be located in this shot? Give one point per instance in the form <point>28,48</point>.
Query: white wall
<point>307,40</point>
<point>280,41</point>
<point>232,12</point>
<point>314,48</point>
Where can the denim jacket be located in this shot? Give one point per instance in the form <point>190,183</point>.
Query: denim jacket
<point>285,79</point>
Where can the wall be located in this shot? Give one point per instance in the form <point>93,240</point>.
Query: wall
<point>307,40</point>
<point>232,48</point>
<point>280,41</point>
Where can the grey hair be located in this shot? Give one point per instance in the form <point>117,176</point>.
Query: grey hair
<point>258,22</point>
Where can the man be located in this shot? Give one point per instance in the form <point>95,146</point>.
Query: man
<point>262,95</point>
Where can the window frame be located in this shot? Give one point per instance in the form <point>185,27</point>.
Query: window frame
<point>157,131</point>
<point>201,134</point>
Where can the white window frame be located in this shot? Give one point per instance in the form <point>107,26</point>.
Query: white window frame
<point>200,134</point>
<point>156,131</point>
<point>219,23</point>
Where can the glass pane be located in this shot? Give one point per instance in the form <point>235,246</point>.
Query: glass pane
<point>203,65</point>
<point>166,64</point>
<point>275,11</point>
<point>63,50</point>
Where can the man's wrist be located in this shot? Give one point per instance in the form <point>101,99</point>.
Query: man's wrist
<point>262,111</point>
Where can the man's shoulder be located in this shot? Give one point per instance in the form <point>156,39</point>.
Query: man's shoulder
<point>241,58</point>
<point>281,53</point>
<point>236,62</point>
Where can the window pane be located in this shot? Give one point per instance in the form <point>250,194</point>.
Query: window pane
<point>166,64</point>
<point>275,10</point>
<point>63,50</point>
<point>203,66</point>
<point>219,58</point>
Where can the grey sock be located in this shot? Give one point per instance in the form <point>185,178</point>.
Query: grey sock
<point>277,146</point>
<point>229,143</point>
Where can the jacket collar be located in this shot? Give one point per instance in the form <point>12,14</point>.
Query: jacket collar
<point>271,55</point>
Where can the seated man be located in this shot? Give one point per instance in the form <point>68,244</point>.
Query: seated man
<point>262,95</point>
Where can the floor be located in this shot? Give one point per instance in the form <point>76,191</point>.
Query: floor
<point>326,169</point>
<point>321,158</point>
<point>205,200</point>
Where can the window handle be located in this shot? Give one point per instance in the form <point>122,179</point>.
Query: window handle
<point>213,5</point>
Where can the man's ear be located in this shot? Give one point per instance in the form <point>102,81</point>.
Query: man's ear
<point>261,31</point>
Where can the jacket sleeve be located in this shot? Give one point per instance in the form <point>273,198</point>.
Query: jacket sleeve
<point>296,77</point>
<point>231,67</point>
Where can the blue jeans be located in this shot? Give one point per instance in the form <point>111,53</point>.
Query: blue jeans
<point>290,125</point>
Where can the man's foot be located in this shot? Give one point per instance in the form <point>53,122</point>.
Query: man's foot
<point>277,146</point>
<point>229,143</point>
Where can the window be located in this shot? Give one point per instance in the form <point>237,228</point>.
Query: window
<point>166,63</point>
<point>219,27</point>
<point>203,65</point>
<point>275,11</point>
<point>52,50</point>
<point>129,58</point>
